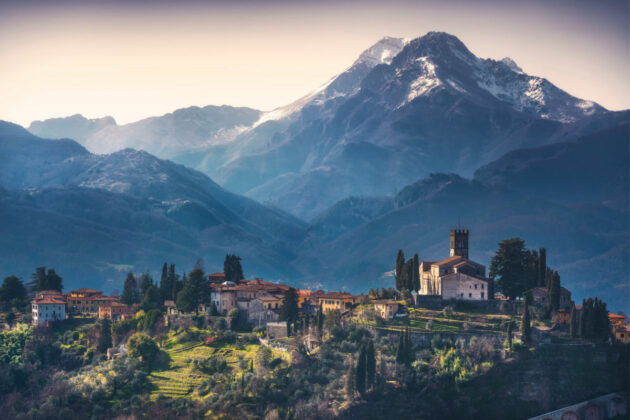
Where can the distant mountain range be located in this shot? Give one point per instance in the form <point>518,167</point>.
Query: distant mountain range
<point>389,154</point>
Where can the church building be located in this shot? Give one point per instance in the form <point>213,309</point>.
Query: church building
<point>455,277</point>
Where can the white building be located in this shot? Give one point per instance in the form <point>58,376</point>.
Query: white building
<point>48,309</point>
<point>455,277</point>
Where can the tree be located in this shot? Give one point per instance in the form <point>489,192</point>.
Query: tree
<point>232,268</point>
<point>39,280</point>
<point>400,262</point>
<point>195,292</point>
<point>370,365</point>
<point>509,335</point>
<point>553,294</point>
<point>416,273</point>
<point>530,266</point>
<point>105,336</point>
<point>507,268</point>
<point>573,324</point>
<point>165,289</point>
<point>146,281</point>
<point>542,267</point>
<point>141,346</point>
<point>320,321</point>
<point>173,283</point>
<point>130,290</point>
<point>582,323</point>
<point>525,322</point>
<point>12,289</point>
<point>594,322</point>
<point>289,310</point>
<point>403,353</point>
<point>151,299</point>
<point>350,380</point>
<point>361,370</point>
<point>54,282</point>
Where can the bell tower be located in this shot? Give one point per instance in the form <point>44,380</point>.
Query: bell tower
<point>459,242</point>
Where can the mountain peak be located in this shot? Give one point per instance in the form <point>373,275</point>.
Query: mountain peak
<point>382,52</point>
<point>512,65</point>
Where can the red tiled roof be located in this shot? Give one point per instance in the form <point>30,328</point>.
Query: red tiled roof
<point>49,292</point>
<point>222,275</point>
<point>305,292</point>
<point>48,300</point>
<point>86,290</point>
<point>616,316</point>
<point>337,295</point>
<point>449,260</point>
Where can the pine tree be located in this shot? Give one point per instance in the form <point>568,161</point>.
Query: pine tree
<point>166,289</point>
<point>509,335</point>
<point>54,282</point>
<point>361,371</point>
<point>370,368</point>
<point>39,279</point>
<point>542,267</point>
<point>509,269</point>
<point>105,336</point>
<point>130,290</point>
<point>196,290</point>
<point>400,262</point>
<point>573,324</point>
<point>416,272</point>
<point>146,281</point>
<point>525,322</point>
<point>151,299</point>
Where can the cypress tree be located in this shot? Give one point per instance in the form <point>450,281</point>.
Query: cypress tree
<point>400,262</point>
<point>408,268</point>
<point>289,309</point>
<point>509,335</point>
<point>573,327</point>
<point>416,272</point>
<point>320,321</point>
<point>54,282</point>
<point>165,288</point>
<point>582,326</point>
<point>525,322</point>
<point>400,351</point>
<point>370,355</point>
<point>553,294</point>
<point>105,336</point>
<point>39,279</point>
<point>542,266</point>
<point>350,380</point>
<point>361,371</point>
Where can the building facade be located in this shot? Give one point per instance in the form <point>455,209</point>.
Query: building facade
<point>116,311</point>
<point>48,309</point>
<point>455,277</point>
<point>336,300</point>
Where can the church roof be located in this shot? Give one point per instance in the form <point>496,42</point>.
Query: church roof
<point>449,260</point>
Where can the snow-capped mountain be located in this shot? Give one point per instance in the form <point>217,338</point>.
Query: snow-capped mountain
<point>434,106</point>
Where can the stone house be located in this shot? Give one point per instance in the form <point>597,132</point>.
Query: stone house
<point>539,297</point>
<point>386,309</point>
<point>116,311</point>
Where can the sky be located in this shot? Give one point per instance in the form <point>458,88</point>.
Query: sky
<point>134,59</point>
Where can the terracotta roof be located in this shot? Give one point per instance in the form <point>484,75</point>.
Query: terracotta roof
<point>616,316</point>
<point>449,260</point>
<point>86,290</point>
<point>337,295</point>
<point>169,303</point>
<point>222,275</point>
<point>269,298</point>
<point>48,300</point>
<point>117,304</point>
<point>305,292</point>
<point>386,302</point>
<point>49,292</point>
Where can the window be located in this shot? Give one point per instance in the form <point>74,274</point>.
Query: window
<point>481,295</point>
<point>475,286</point>
<point>482,286</point>
<point>469,295</point>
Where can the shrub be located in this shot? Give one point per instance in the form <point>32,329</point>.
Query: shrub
<point>447,312</point>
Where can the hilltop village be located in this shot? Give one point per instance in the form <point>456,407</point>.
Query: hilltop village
<point>228,347</point>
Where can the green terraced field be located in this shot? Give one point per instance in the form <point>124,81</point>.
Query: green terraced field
<point>181,380</point>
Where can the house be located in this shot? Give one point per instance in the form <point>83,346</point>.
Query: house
<point>386,309</point>
<point>115,311</point>
<point>620,330</point>
<point>48,309</point>
<point>336,300</point>
<point>539,297</point>
<point>562,316</point>
<point>216,277</point>
<point>259,315</point>
<point>87,301</point>
<point>223,296</point>
<point>455,277</point>
<point>304,296</point>
<point>171,309</point>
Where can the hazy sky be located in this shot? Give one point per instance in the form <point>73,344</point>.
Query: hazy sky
<point>133,59</point>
